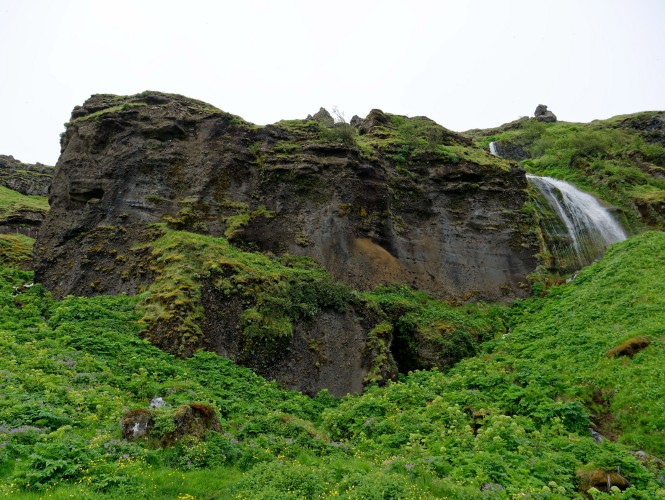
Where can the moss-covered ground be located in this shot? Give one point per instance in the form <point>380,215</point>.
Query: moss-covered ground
<point>512,421</point>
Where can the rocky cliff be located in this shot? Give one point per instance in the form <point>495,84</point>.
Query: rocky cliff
<point>393,199</point>
<point>378,208</point>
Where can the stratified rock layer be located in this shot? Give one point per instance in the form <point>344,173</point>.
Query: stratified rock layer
<point>392,199</point>
<point>444,224</point>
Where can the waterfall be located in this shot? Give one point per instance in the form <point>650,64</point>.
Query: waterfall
<point>584,228</point>
<point>493,149</point>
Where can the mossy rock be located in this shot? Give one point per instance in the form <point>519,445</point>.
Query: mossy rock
<point>630,347</point>
<point>601,480</point>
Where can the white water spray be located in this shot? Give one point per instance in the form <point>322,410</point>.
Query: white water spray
<point>590,226</point>
<point>493,149</point>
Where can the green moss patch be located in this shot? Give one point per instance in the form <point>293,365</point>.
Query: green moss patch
<point>275,292</point>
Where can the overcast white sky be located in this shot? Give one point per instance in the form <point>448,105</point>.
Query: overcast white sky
<point>465,64</point>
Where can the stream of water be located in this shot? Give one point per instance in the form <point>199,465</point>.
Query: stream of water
<point>582,229</point>
<point>589,227</point>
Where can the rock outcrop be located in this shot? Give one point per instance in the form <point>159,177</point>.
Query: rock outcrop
<point>29,183</point>
<point>510,151</point>
<point>323,117</point>
<point>542,114</point>
<point>25,178</point>
<point>431,219</point>
<point>405,201</point>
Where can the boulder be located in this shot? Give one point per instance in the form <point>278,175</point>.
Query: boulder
<point>323,117</point>
<point>542,114</point>
<point>601,480</point>
<point>136,424</point>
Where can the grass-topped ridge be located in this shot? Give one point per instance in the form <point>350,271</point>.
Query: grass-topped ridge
<point>104,104</point>
<point>13,202</point>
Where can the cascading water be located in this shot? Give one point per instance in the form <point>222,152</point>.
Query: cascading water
<point>579,229</point>
<point>584,228</point>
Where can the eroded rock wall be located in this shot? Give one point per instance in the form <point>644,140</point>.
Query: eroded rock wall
<point>374,204</point>
<point>452,228</point>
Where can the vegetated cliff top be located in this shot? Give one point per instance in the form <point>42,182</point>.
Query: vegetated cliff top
<point>621,159</point>
<point>25,178</point>
<point>23,190</point>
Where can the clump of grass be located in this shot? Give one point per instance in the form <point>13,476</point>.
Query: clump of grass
<point>16,250</point>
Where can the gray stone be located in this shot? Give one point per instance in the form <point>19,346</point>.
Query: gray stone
<point>157,402</point>
<point>542,114</point>
<point>323,117</point>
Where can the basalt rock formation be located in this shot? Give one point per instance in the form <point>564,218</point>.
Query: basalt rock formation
<point>393,199</point>
<point>372,213</point>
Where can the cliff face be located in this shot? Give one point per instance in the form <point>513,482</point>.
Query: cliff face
<point>393,199</point>
<point>372,210</point>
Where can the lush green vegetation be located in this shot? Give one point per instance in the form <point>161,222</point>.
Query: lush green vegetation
<point>512,421</point>
<point>16,250</point>
<point>609,158</point>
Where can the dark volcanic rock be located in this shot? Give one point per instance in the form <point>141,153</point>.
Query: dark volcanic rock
<point>30,180</point>
<point>386,212</point>
<point>25,178</point>
<point>543,115</point>
<point>323,117</point>
<point>510,151</point>
<point>651,126</point>
<point>453,228</point>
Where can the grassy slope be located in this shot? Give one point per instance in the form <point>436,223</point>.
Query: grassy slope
<point>568,334</point>
<point>12,202</point>
<point>511,416</point>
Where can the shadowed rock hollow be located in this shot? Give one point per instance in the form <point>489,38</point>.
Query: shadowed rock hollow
<point>393,199</point>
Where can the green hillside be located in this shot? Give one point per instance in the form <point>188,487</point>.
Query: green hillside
<point>13,202</point>
<point>513,421</point>
<point>621,160</point>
